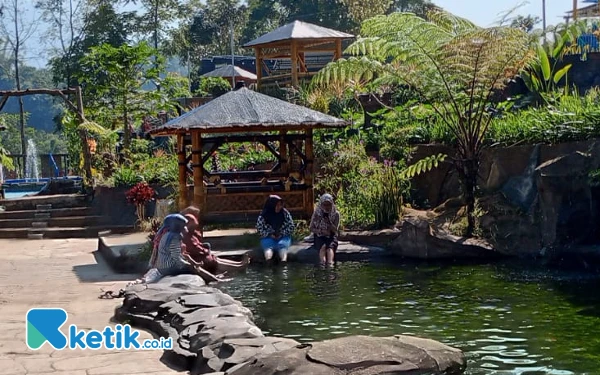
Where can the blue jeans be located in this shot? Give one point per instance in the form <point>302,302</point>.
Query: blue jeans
<point>281,245</point>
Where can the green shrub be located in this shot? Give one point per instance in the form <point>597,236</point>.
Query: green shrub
<point>213,86</point>
<point>124,177</point>
<point>566,117</point>
<point>368,193</point>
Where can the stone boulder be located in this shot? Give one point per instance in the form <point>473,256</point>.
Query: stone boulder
<point>360,355</point>
<point>376,238</point>
<point>420,239</point>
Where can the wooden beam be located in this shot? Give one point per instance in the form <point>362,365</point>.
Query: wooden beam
<point>259,64</point>
<point>254,129</point>
<point>183,202</point>
<point>294,63</point>
<point>338,50</point>
<point>308,173</point>
<point>198,170</point>
<point>283,152</point>
<point>213,148</point>
<point>3,101</point>
<point>271,149</point>
<point>26,92</point>
<point>251,138</point>
<point>294,148</point>
<point>277,55</point>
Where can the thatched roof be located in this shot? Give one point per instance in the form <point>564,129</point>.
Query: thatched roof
<point>298,30</point>
<point>245,110</point>
<point>228,71</point>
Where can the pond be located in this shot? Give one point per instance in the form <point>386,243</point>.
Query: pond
<point>507,318</point>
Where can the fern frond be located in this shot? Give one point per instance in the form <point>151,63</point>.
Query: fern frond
<point>423,165</point>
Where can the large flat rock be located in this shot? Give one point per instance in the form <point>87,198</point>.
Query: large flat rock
<point>360,355</point>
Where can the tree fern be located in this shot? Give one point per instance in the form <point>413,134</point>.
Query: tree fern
<point>450,62</point>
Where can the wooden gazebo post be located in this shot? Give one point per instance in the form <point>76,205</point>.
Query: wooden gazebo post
<point>198,169</point>
<point>309,172</point>
<point>294,58</point>
<point>259,63</point>
<point>181,157</point>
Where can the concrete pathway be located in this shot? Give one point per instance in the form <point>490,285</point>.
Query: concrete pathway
<point>66,274</point>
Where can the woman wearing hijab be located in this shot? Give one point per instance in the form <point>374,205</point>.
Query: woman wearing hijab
<point>275,227</point>
<point>325,224</point>
<point>167,258</point>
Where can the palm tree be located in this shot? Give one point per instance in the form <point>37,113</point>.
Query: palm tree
<point>453,64</point>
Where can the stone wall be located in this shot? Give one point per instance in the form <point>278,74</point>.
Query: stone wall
<point>498,165</point>
<point>111,203</point>
<point>541,194</point>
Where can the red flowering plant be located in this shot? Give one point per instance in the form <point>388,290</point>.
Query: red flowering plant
<point>140,194</point>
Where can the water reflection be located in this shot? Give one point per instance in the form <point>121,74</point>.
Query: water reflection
<point>507,319</point>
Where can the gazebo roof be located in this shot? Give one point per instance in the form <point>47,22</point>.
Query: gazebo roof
<point>298,30</point>
<point>245,110</point>
<point>230,71</point>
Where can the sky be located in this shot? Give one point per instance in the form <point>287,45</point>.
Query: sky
<point>481,12</point>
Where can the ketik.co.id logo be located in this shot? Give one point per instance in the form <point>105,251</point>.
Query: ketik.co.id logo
<point>43,325</point>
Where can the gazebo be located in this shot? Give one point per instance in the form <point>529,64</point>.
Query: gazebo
<point>243,115</point>
<point>229,71</point>
<point>294,41</point>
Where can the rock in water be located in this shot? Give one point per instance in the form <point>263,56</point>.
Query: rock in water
<point>361,355</point>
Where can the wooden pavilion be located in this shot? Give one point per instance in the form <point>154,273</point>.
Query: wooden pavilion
<point>590,11</point>
<point>295,41</point>
<point>243,115</point>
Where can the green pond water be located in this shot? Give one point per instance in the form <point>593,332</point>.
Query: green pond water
<point>506,318</point>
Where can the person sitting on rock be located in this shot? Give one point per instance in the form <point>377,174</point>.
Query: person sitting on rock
<point>167,259</point>
<point>275,227</point>
<point>199,253</point>
<point>324,224</point>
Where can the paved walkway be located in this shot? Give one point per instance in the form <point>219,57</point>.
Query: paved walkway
<point>62,273</point>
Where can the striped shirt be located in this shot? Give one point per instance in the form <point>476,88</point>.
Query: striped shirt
<point>169,254</point>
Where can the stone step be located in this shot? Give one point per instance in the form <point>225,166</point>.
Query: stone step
<point>54,212</point>
<point>55,232</point>
<point>39,224</point>
<point>45,202</point>
<point>61,222</point>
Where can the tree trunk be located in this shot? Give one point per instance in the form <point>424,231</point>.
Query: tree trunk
<point>126,134</point>
<point>155,37</point>
<point>87,157</point>
<point>467,171</point>
<point>18,84</point>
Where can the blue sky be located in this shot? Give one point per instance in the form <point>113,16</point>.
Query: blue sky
<point>486,12</point>
<point>482,12</point>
